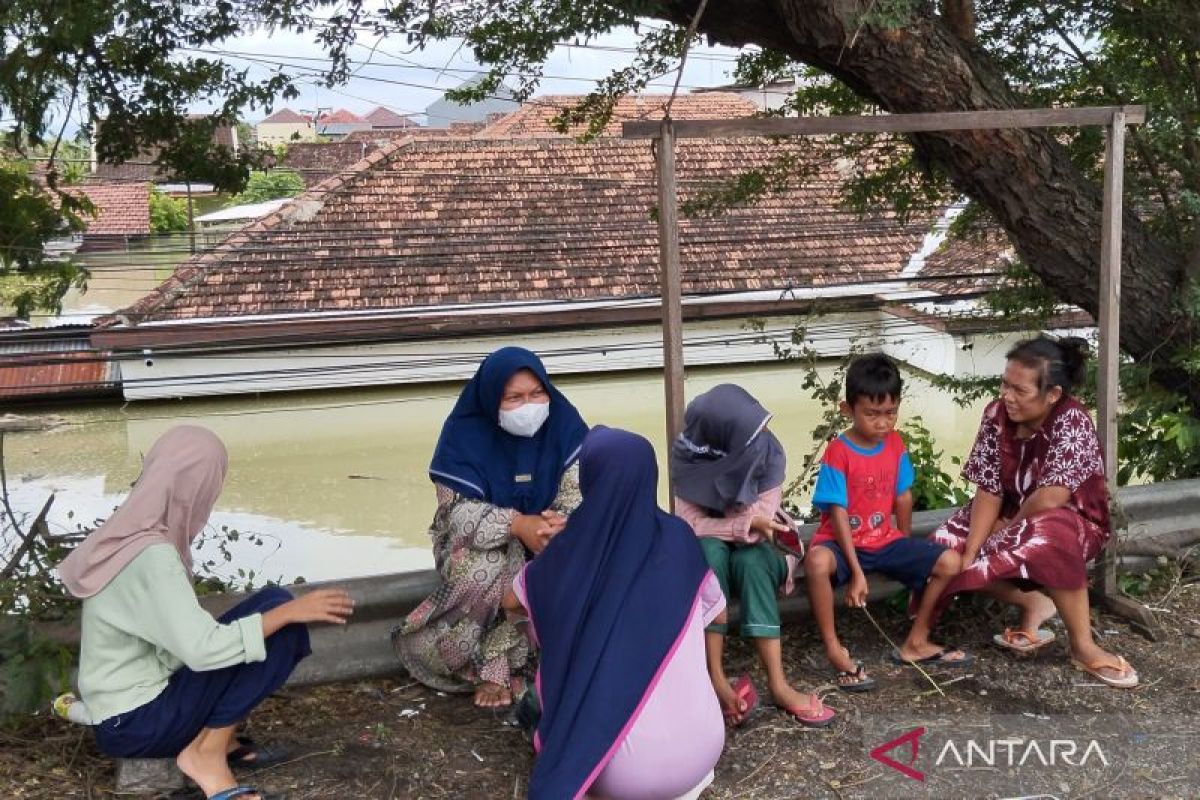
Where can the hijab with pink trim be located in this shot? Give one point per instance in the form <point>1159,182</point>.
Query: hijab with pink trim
<point>170,504</point>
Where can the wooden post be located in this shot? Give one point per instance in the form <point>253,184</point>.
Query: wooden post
<point>1109,364</point>
<point>1107,378</point>
<point>191,219</point>
<point>672,289</point>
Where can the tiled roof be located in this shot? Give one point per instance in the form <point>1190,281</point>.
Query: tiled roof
<point>386,118</point>
<point>284,115</point>
<point>121,208</point>
<point>440,222</point>
<point>339,116</point>
<point>316,161</point>
<point>982,253</point>
<point>533,119</point>
<point>141,166</point>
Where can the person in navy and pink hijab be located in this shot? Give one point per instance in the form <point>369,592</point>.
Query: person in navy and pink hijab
<point>504,472</point>
<point>618,602</point>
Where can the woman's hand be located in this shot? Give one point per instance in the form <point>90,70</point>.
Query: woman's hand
<point>321,605</point>
<point>536,530</point>
<point>767,528</point>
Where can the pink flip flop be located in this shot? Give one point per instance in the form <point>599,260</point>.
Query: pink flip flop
<point>745,692</point>
<point>803,714</point>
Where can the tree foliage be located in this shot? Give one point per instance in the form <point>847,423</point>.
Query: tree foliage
<point>167,214</point>
<point>270,185</point>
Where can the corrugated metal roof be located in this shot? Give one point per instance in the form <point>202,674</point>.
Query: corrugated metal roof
<point>39,366</point>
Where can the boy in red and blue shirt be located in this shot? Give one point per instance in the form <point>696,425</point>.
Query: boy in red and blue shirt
<point>866,477</point>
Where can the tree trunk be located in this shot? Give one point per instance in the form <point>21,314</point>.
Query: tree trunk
<point>1024,177</point>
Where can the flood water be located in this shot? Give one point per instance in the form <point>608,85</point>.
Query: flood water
<point>335,482</point>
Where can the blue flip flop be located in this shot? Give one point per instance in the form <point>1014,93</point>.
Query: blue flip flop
<point>250,755</point>
<point>238,791</point>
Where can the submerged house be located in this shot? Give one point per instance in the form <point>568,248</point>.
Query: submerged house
<point>430,252</point>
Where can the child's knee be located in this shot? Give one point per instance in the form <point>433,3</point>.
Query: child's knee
<point>948,563</point>
<point>819,563</point>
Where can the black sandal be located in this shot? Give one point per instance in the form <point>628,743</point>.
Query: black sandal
<point>251,755</point>
<point>863,681</point>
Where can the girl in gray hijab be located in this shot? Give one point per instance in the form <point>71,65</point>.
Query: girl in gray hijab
<point>727,473</point>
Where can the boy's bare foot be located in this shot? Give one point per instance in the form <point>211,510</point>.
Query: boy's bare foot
<point>1037,611</point>
<point>839,657</point>
<point>208,768</point>
<point>927,651</point>
<point>787,697</point>
<point>851,675</point>
<point>492,695</point>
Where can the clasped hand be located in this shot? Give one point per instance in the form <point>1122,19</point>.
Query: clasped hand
<point>536,530</point>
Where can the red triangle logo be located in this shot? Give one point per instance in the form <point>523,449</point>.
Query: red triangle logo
<point>913,740</point>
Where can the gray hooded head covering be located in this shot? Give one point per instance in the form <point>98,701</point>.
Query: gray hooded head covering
<point>724,458</point>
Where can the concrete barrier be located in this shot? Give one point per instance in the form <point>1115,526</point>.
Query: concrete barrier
<point>362,649</point>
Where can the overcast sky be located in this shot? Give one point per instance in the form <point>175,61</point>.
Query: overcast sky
<point>390,75</point>
<point>408,81</point>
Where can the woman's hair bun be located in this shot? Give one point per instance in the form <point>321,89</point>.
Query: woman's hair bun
<point>1075,353</point>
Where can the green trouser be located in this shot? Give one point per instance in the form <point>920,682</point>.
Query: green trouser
<point>755,572</point>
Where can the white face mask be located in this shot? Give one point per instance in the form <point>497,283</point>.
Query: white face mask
<point>525,420</point>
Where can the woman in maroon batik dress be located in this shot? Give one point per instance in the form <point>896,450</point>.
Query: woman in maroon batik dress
<point>1040,510</point>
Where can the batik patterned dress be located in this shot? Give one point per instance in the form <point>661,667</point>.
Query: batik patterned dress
<point>458,636</point>
<point>1051,549</point>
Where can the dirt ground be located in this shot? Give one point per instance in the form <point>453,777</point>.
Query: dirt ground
<point>396,739</point>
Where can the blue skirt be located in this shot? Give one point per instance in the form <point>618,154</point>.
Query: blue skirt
<point>215,698</point>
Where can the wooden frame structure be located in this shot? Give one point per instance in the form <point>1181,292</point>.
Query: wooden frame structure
<point>1113,118</point>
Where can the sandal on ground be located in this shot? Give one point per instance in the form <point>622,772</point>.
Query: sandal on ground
<point>862,682</point>
<point>1128,677</point>
<point>743,691</point>
<point>822,718</point>
<point>251,755</point>
<point>1024,641</point>
<point>939,659</point>
<point>239,791</point>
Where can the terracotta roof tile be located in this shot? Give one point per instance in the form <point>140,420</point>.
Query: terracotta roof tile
<point>429,222</point>
<point>141,166</point>
<point>121,208</point>
<point>533,118</point>
<point>983,253</point>
<point>341,115</point>
<point>385,118</point>
<point>285,115</point>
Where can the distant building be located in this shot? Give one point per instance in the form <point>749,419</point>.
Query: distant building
<point>141,166</point>
<point>767,97</point>
<point>340,124</point>
<point>284,127</point>
<point>384,119</point>
<point>445,113</point>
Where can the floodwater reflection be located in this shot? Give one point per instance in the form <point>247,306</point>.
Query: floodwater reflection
<point>335,482</point>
